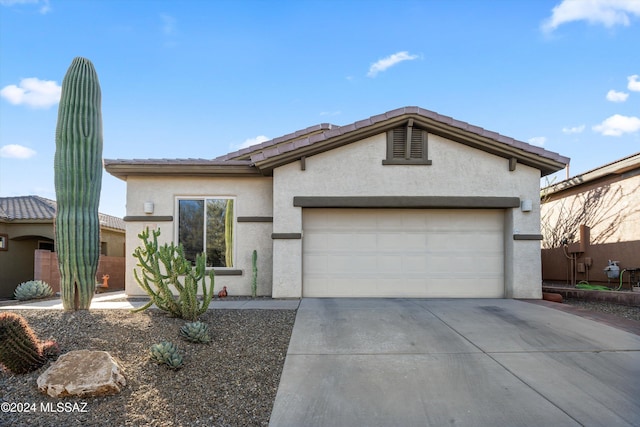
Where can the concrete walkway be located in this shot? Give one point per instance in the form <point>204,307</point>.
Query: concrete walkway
<point>118,300</point>
<point>401,362</point>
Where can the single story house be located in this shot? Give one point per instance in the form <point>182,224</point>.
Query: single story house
<point>27,244</point>
<point>408,203</point>
<point>607,201</point>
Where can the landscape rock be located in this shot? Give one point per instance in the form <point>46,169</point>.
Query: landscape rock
<point>82,373</point>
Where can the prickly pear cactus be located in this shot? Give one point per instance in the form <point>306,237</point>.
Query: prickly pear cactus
<point>78,180</point>
<point>32,289</point>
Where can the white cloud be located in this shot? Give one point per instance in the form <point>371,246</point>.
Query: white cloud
<point>572,130</point>
<point>44,9</point>
<point>249,142</point>
<point>538,140</point>
<point>634,84</point>
<point>33,92</point>
<point>168,24</point>
<point>614,96</point>
<point>389,61</point>
<point>617,124</point>
<point>169,29</point>
<point>330,113</point>
<point>606,12</point>
<point>15,151</point>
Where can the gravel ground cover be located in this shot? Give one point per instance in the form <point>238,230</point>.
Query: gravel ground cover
<point>231,381</point>
<point>624,311</point>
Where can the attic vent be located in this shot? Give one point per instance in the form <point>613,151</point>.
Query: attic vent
<point>407,145</point>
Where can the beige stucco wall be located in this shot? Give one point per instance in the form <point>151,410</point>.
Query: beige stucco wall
<point>17,263</point>
<point>253,198</point>
<point>457,170</point>
<point>615,228</point>
<point>114,241</point>
<point>620,206</point>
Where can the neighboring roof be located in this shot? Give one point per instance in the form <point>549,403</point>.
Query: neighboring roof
<point>36,208</point>
<point>261,159</point>
<point>617,167</point>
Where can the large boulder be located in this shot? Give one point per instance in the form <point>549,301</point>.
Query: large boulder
<point>82,373</point>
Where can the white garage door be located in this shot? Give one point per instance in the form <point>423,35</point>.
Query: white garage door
<point>403,253</point>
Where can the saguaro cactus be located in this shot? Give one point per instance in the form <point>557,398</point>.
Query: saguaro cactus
<point>78,179</point>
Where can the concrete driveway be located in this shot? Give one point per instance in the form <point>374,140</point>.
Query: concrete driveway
<point>412,362</point>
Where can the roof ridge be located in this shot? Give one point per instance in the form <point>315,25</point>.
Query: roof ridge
<point>34,207</point>
<point>299,134</point>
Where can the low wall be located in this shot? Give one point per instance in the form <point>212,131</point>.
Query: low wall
<point>556,266</point>
<point>46,269</point>
<point>624,298</point>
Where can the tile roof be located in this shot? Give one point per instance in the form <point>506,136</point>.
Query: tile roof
<point>38,208</point>
<point>313,139</point>
<point>617,167</point>
<point>299,139</point>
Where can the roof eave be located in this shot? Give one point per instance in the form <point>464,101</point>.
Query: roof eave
<point>615,168</point>
<point>546,165</point>
<point>123,170</point>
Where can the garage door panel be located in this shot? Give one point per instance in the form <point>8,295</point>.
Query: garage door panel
<point>316,242</point>
<point>403,253</point>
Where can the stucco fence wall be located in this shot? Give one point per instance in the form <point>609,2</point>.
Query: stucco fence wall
<point>556,267</point>
<point>615,228</point>
<point>46,269</point>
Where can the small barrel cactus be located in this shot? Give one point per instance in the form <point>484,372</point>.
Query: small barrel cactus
<point>195,332</point>
<point>32,289</point>
<point>166,352</point>
<point>20,350</point>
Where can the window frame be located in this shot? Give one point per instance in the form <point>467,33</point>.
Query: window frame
<point>4,242</point>
<point>204,225</point>
<point>407,160</point>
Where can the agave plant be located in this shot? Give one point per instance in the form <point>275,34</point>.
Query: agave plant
<point>32,289</point>
<point>195,332</point>
<point>166,353</point>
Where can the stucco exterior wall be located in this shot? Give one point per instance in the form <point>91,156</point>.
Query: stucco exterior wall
<point>16,263</point>
<point>457,170</point>
<point>253,198</point>
<point>114,242</point>
<point>615,228</point>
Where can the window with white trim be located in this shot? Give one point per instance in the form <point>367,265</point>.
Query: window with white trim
<point>207,224</point>
<point>407,145</point>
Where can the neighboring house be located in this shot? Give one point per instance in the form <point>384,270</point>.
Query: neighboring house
<point>407,203</point>
<point>27,225</point>
<point>605,199</point>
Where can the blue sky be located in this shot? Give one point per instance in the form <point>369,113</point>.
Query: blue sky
<point>197,79</point>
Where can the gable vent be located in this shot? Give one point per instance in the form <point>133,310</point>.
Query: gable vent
<point>407,145</point>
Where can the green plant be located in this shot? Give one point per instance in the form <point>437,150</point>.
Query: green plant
<point>228,233</point>
<point>78,179</point>
<point>588,286</point>
<point>166,352</point>
<point>32,289</point>
<point>20,350</point>
<point>195,332</point>
<point>165,269</point>
<point>254,279</point>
